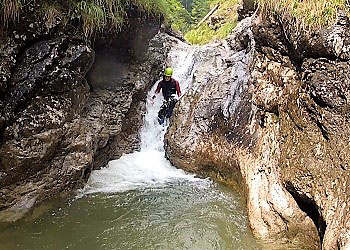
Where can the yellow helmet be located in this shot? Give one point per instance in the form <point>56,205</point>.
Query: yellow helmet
<point>168,72</point>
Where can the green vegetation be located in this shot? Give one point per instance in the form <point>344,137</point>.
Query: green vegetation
<point>102,15</point>
<point>176,15</point>
<point>51,12</point>
<point>223,22</point>
<point>200,35</point>
<point>187,4</point>
<point>97,15</point>
<point>199,9</point>
<point>9,10</point>
<point>181,15</point>
<point>308,13</point>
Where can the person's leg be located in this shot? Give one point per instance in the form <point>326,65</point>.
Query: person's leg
<point>162,114</point>
<point>171,108</point>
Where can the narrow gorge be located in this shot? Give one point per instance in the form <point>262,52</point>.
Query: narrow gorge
<point>261,132</point>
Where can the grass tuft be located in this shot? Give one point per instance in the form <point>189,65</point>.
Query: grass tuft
<point>309,14</point>
<point>98,15</point>
<point>153,7</point>
<point>93,16</point>
<point>10,10</point>
<point>51,12</point>
<point>201,35</point>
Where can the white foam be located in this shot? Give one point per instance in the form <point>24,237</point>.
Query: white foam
<point>138,170</point>
<point>149,167</point>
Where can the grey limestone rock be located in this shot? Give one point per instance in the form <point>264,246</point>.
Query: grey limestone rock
<point>267,112</point>
<point>55,127</point>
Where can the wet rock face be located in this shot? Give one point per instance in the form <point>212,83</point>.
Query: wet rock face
<point>313,125</point>
<point>316,148</point>
<point>226,127</point>
<point>55,127</point>
<point>45,91</point>
<point>269,116</point>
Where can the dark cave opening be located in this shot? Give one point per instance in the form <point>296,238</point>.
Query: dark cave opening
<point>309,207</point>
<point>116,53</point>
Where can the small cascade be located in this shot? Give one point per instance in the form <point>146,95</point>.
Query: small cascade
<point>148,167</point>
<point>141,201</point>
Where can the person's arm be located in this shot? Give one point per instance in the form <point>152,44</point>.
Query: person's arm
<point>157,89</point>
<point>178,90</point>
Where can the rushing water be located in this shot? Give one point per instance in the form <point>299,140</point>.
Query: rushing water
<point>140,202</point>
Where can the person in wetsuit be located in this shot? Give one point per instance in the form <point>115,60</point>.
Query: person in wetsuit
<point>170,87</point>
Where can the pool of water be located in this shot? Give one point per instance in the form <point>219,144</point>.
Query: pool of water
<point>187,214</point>
<point>139,201</point>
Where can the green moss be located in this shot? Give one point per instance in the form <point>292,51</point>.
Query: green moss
<point>226,29</point>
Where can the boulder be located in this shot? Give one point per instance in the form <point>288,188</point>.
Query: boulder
<point>266,113</point>
<point>55,126</point>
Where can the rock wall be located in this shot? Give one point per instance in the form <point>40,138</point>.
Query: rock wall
<point>312,117</point>
<point>266,113</point>
<point>55,127</point>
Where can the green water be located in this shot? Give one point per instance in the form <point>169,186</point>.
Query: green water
<point>181,215</point>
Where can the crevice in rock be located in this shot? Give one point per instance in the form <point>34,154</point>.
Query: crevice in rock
<point>332,58</point>
<point>319,101</point>
<point>86,173</point>
<point>293,120</point>
<point>295,57</point>
<point>322,128</point>
<point>298,56</point>
<point>309,207</point>
<point>262,119</point>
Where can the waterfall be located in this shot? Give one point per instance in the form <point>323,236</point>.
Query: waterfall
<point>147,168</point>
<point>141,201</point>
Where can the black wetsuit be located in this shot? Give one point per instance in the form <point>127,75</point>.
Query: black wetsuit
<point>169,90</point>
